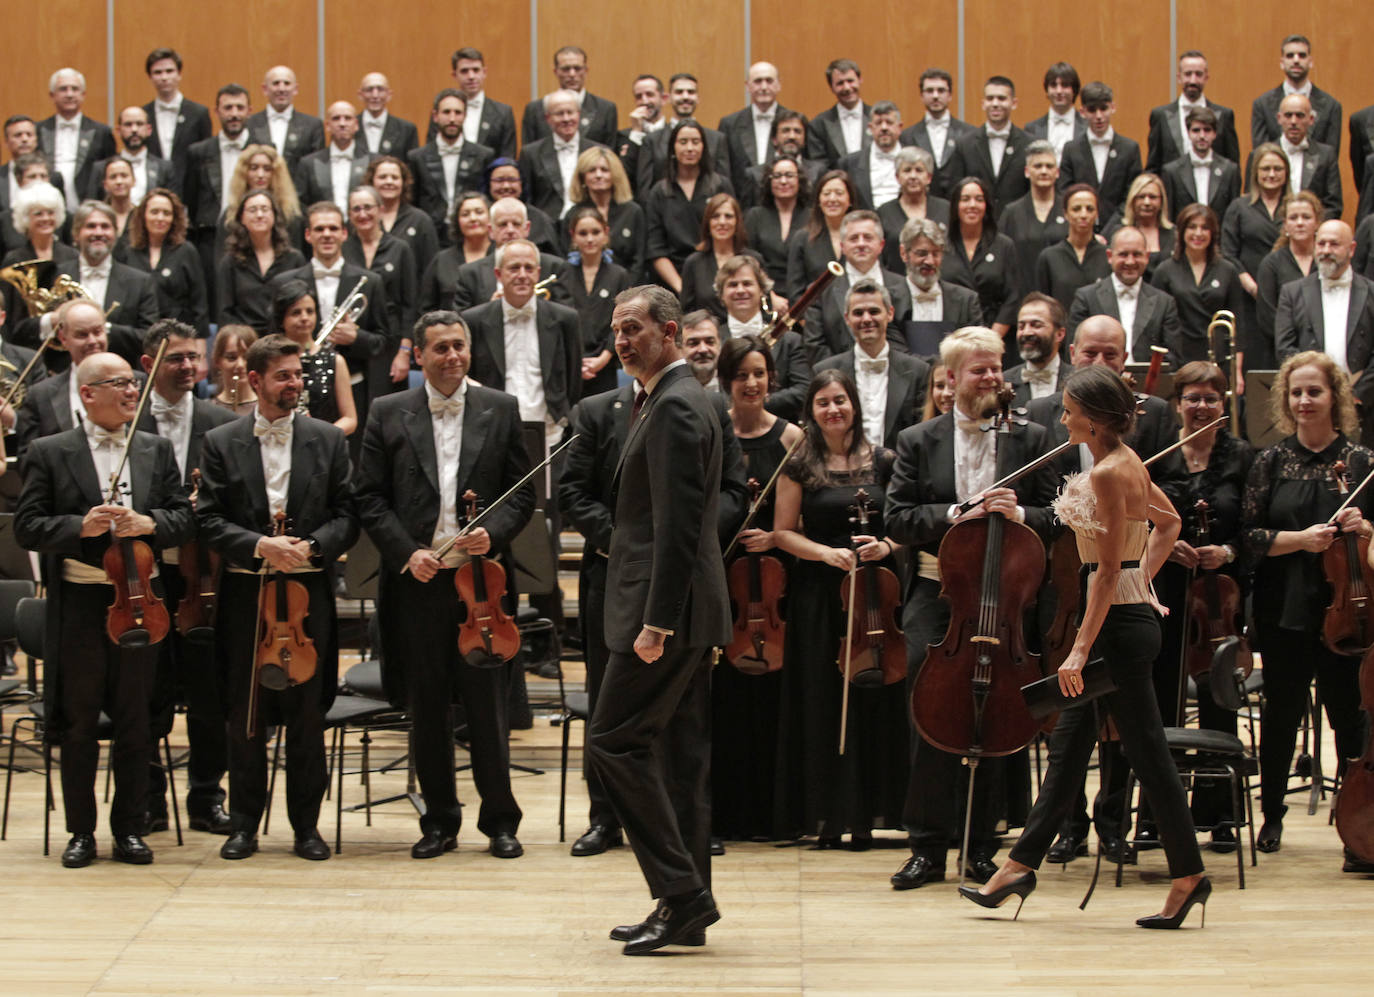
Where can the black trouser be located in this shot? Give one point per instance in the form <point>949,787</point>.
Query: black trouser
<point>1291,659</point>
<point>651,743</point>
<point>428,644</point>
<point>298,707</point>
<point>99,675</point>
<point>937,791</point>
<point>591,614</point>
<point>1128,641</point>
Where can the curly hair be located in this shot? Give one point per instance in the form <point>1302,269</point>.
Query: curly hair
<point>283,188</point>
<point>407,178</point>
<point>1343,416</point>
<point>138,221</point>
<point>239,244</point>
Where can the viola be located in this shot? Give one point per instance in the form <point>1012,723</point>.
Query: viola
<point>286,654</point>
<point>873,651</point>
<point>199,568</point>
<point>488,638</point>
<point>1348,627</point>
<point>757,583</point>
<point>1216,610</point>
<point>1354,804</point>
<point>136,617</point>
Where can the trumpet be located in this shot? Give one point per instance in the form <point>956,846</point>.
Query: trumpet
<point>541,289</point>
<point>349,309</point>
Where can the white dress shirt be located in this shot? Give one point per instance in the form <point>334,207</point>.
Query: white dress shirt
<point>340,173</point>
<point>472,119</point>
<point>1101,149</point>
<point>524,376</point>
<point>448,451</point>
<point>1127,298</point>
<point>874,273</point>
<point>107,448</point>
<point>327,285</point>
<point>1304,91</point>
<point>165,116</point>
<point>138,164</point>
<point>882,175</point>
<point>66,141</point>
<point>278,124</point>
<point>373,128</point>
<point>1296,154</point>
<point>274,441</point>
<point>1059,130</point>
<point>567,165</point>
<point>95,279</point>
<point>229,152</point>
<point>174,424</point>
<point>870,377</point>
<point>926,306</point>
<point>1202,175</point>
<point>997,147</point>
<point>448,159</point>
<point>938,130</point>
<point>1335,316</point>
<point>851,126</point>
<point>1184,106</point>
<point>1041,381</point>
<point>763,130</point>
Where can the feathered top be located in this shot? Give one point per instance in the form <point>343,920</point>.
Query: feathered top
<point>1076,507</point>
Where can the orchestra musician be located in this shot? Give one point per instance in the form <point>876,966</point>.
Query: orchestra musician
<point>423,449</point>
<point>253,469</point>
<point>67,514</point>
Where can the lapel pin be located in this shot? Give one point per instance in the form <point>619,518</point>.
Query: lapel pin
<point>625,233</point>
<point>1216,171</point>
<point>390,267</point>
<point>990,257</point>
<point>605,293</point>
<point>411,230</point>
<point>1059,220</point>
<point>1215,282</point>
<point>1111,153</point>
<point>166,271</point>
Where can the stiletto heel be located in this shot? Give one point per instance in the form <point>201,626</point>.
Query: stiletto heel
<point>1021,887</point>
<point>1199,895</point>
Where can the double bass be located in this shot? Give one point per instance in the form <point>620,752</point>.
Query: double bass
<point>757,583</point>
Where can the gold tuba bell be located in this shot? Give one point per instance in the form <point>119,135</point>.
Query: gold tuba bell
<point>41,300</point>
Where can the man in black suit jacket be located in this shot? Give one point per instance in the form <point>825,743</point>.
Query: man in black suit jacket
<point>83,142</point>
<point>315,176</point>
<point>548,165</point>
<point>1295,59</point>
<point>941,462</point>
<point>1040,332</point>
<point>1315,165</point>
<point>667,606</point>
<point>892,384</point>
<point>1061,124</point>
<point>450,154</point>
<point>252,470</point>
<point>875,163</point>
<point>598,119</point>
<point>973,153</point>
<point>475,282</point>
<point>177,121</point>
<point>149,171</point>
<point>1168,139</point>
<point>646,157</point>
<point>292,132</point>
<point>939,130</point>
<point>938,307</point>
<point>423,449</point>
<point>67,514</point>
<point>492,123</point>
<point>1155,320</point>
<point>381,133</point>
<point>1181,176</point>
<point>841,130</point>
<point>748,130</point>
<point>1119,156</point>
<point>209,165</point>
<point>187,659</point>
<point>861,246</point>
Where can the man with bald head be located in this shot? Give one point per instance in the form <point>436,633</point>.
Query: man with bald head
<point>1150,315</point>
<point>67,514</point>
<point>73,142</point>
<point>1314,164</point>
<point>331,173</point>
<point>149,170</point>
<point>548,164</point>
<point>475,283</point>
<point>292,132</point>
<point>382,133</point>
<point>748,131</point>
<point>1295,61</point>
<point>449,165</point>
<point>598,119</point>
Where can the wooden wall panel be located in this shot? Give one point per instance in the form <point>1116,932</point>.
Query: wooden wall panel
<point>624,39</point>
<point>802,40</point>
<point>237,48</point>
<point>358,41</point>
<point>36,49</point>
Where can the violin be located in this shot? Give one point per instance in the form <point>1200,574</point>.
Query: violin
<point>199,567</point>
<point>1216,609</point>
<point>872,596</point>
<point>1348,627</point>
<point>488,638</point>
<point>1354,804</point>
<point>286,655</point>
<point>757,583</point>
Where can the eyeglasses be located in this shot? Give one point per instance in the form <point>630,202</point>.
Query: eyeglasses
<point>176,359</point>
<point>118,383</point>
<point>1208,400</point>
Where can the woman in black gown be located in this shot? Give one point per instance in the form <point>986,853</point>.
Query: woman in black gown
<point>722,236</point>
<point>327,394</point>
<point>1201,282</point>
<point>590,283</point>
<point>600,180</point>
<point>674,206</point>
<point>392,180</point>
<point>744,707</point>
<point>257,249</point>
<point>821,791</point>
<point>982,259</point>
<point>810,250</point>
<point>1248,232</point>
<point>1078,259</point>
<point>157,245</point>
<point>783,212</point>
<point>1293,256</point>
<point>915,171</point>
<point>1035,221</point>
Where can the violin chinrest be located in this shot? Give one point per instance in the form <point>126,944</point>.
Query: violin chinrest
<point>480,658</point>
<point>273,677</point>
<point>751,665</point>
<point>869,678</point>
<point>135,637</point>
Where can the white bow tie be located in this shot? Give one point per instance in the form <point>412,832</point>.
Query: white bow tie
<point>101,272</point>
<point>1203,163</point>
<point>753,327</point>
<point>1043,376</point>
<point>884,155</point>
<point>1129,291</point>
<point>1003,134</point>
<point>283,116</point>
<point>1094,140</point>
<point>321,271</point>
<point>163,409</point>
<point>926,297</point>
<point>340,157</point>
<point>278,432</point>
<point>971,426</point>
<point>1336,283</point>
<point>134,158</point>
<point>99,436</point>
<point>525,311</point>
<point>444,407</point>
<point>870,366</point>
<point>560,146</point>
<point>236,144</point>
<point>1061,119</point>
<point>172,108</point>
<point>69,125</point>
<point>450,150</point>
<point>1300,147</point>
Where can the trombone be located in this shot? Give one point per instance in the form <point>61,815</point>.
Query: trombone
<point>1225,320</point>
<point>349,309</point>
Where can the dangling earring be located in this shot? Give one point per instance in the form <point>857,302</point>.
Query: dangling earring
<point>1092,429</point>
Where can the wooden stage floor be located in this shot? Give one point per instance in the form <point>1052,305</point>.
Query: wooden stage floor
<point>373,921</point>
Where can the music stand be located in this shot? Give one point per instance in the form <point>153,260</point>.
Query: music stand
<point>1164,387</point>
<point>1260,428</point>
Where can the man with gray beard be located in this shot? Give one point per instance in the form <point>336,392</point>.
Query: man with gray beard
<point>937,306</point>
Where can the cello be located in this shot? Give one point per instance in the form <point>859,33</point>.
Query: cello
<point>1348,626</point>
<point>285,654</point>
<point>488,637</point>
<point>757,583</point>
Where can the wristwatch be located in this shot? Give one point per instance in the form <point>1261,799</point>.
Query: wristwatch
<point>1230,552</point>
<point>315,549</point>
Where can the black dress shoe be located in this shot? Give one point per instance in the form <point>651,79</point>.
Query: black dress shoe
<point>860,841</point>
<point>154,823</point>
<point>1146,837</point>
<point>827,842</point>
<point>80,851</point>
<point>673,922</point>
<point>624,932</point>
<point>1116,850</point>
<point>505,846</point>
<point>1069,847</point>
<point>981,867</point>
<point>717,846</point>
<point>240,845</point>
<point>432,844</point>
<point>130,848</point>
<point>1223,839</point>
<point>216,821</point>
<point>312,847</point>
<point>1270,836</point>
<point>917,871</point>
<point>597,839</point>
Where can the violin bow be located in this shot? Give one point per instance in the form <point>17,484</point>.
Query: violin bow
<point>758,502</point>
<point>1350,498</point>
<point>1214,424</point>
<point>131,428</point>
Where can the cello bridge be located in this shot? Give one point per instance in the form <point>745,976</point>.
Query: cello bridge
<point>986,640</point>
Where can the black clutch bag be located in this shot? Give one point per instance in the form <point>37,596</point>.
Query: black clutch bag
<point>1043,698</point>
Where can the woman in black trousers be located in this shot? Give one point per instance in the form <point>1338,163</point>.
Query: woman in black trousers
<point>1110,509</point>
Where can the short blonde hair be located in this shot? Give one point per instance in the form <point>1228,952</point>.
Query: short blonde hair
<point>959,345</point>
<point>1343,417</point>
<point>620,183</point>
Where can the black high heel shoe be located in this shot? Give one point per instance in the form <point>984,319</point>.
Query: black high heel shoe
<point>1021,887</point>
<point>1200,893</point>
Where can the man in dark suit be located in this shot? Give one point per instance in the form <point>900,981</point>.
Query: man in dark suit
<point>1201,176</point>
<point>549,164</point>
<point>209,165</point>
<point>381,132</point>
<point>423,449</point>
<point>1310,310</point>
<point>331,173</point>
<point>291,132</point>
<point>177,121</point>
<point>841,130</point>
<point>748,131</point>
<point>1040,332</point>
<point>149,171</point>
<point>598,119</point>
<point>254,469</point>
<point>491,122</point>
<point>1315,165</point>
<point>1061,124</point>
<point>996,152</point>
<point>742,284</point>
<point>667,607</point>
<point>1168,128</point>
<point>892,384</point>
<point>67,514</point>
<point>861,246</point>
<point>449,165</point>
<point>938,307</point>
<point>873,169</point>
<point>187,659</point>
<point>73,142</point>
<point>1149,314</point>
<point>54,404</point>
<point>476,282</point>
<point>941,462</point>
<point>1295,60</point>
<point>1101,157</point>
<point>939,130</point>
<point>645,159</point>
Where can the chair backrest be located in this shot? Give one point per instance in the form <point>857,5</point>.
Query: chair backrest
<point>361,569</point>
<point>11,591</point>
<point>1226,676</point>
<point>30,620</point>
